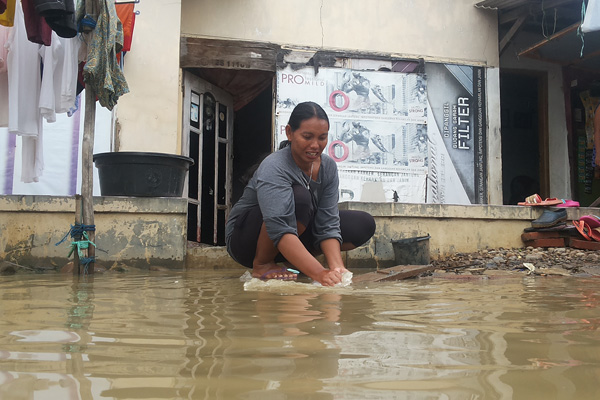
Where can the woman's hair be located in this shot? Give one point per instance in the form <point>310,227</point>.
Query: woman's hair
<point>301,112</point>
<point>304,111</point>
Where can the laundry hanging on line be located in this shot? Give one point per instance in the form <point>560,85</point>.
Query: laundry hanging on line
<point>34,93</point>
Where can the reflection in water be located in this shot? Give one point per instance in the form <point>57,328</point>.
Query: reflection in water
<point>201,336</point>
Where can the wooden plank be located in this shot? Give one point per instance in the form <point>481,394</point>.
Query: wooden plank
<point>511,32</point>
<point>396,273</point>
<point>87,170</point>
<point>78,216</point>
<point>227,54</point>
<point>531,50</point>
<point>87,153</point>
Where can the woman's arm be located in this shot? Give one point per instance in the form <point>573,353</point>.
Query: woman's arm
<point>294,251</point>
<point>332,251</point>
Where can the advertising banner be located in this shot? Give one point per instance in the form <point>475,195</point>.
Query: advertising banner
<point>419,137</point>
<point>378,128</point>
<point>457,131</point>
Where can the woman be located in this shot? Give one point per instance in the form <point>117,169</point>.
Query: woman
<point>289,209</point>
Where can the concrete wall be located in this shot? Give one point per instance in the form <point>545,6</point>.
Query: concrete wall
<point>149,117</point>
<point>144,232</point>
<point>453,228</point>
<point>139,232</point>
<point>434,30</point>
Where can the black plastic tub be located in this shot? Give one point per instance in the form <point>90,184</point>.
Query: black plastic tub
<point>412,251</point>
<point>139,174</point>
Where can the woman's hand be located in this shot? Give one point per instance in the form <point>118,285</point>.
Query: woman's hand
<point>329,277</point>
<point>340,268</point>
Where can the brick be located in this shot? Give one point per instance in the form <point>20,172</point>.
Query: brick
<point>552,242</point>
<point>583,244</point>
<point>526,236</point>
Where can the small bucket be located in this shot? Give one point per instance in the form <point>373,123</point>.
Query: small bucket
<point>411,251</point>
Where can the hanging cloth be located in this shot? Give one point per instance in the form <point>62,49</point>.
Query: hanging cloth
<point>59,80</point>
<point>2,6</point>
<point>63,23</point>
<point>38,31</point>
<point>24,118</point>
<point>4,31</point>
<point>126,14</point>
<point>7,18</point>
<point>101,71</point>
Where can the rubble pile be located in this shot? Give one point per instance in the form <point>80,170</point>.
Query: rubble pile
<point>537,260</point>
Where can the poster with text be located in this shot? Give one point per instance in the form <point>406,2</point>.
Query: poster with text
<point>378,128</point>
<point>457,134</point>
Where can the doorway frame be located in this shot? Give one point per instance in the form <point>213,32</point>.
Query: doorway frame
<point>543,126</point>
<point>188,83</point>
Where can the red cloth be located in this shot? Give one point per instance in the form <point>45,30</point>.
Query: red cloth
<point>38,31</point>
<point>126,14</point>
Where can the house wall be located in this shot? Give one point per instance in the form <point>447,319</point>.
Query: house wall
<point>451,228</point>
<point>149,116</point>
<point>139,232</point>
<point>442,30</point>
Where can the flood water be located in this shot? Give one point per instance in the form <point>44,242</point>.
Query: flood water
<point>199,335</point>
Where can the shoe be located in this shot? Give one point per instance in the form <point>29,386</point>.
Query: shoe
<point>536,200</point>
<point>560,227</point>
<point>549,218</point>
<point>592,220</point>
<point>568,203</point>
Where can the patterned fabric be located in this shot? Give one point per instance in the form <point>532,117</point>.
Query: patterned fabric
<point>101,71</point>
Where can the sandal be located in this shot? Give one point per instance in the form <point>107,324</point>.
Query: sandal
<point>583,228</point>
<point>279,271</point>
<point>536,200</point>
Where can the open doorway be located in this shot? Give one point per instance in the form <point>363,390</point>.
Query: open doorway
<point>523,99</point>
<point>252,139</point>
<point>227,130</point>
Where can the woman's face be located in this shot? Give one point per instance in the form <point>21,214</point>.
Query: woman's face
<point>308,141</point>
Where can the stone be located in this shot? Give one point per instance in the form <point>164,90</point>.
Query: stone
<point>8,268</point>
<point>533,257</point>
<point>68,267</point>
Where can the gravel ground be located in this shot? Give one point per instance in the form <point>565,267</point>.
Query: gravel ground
<point>540,261</point>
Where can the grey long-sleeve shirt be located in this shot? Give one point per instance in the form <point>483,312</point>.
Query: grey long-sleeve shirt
<point>271,188</point>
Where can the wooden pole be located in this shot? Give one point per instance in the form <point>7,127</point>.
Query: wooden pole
<point>87,149</point>
<point>87,172</point>
<point>76,264</point>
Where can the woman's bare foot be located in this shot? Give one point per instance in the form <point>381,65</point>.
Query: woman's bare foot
<point>273,271</point>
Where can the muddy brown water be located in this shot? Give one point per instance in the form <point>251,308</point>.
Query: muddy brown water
<point>199,335</point>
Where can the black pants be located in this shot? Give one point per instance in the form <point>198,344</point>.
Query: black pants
<point>357,228</point>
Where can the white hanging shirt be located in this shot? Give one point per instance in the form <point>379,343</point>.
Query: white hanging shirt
<point>23,80</point>
<point>4,31</point>
<point>59,81</point>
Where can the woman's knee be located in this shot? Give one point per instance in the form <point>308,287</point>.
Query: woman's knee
<point>357,226</point>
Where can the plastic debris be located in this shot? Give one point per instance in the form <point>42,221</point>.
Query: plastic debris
<point>530,267</point>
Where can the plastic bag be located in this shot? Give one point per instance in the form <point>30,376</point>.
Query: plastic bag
<point>591,21</point>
